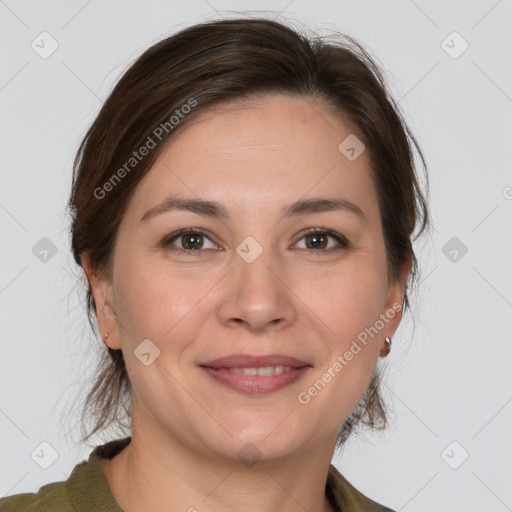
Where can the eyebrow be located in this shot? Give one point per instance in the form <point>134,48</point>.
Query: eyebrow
<point>216,210</point>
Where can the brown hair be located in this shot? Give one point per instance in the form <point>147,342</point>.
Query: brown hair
<point>211,64</point>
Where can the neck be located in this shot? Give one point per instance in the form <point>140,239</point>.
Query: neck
<point>158,474</point>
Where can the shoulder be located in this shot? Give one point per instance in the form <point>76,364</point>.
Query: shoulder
<point>85,490</point>
<point>51,497</point>
<point>348,497</point>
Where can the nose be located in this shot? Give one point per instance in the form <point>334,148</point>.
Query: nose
<point>256,295</point>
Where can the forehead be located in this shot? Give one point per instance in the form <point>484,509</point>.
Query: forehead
<point>259,152</point>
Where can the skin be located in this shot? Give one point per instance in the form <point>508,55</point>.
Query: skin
<point>254,159</point>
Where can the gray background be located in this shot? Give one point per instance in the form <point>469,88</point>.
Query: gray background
<point>449,382</point>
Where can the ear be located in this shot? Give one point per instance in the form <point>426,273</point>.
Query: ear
<point>103,298</point>
<point>395,299</point>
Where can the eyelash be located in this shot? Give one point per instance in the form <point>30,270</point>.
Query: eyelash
<point>342,240</point>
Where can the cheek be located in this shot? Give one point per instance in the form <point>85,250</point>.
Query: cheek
<point>349,301</point>
<point>156,304</point>
<point>154,301</point>
<point>352,354</point>
<point>352,305</point>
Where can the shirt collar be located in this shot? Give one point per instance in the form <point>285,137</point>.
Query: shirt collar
<point>88,489</point>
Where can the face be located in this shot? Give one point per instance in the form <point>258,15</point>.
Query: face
<point>251,275</point>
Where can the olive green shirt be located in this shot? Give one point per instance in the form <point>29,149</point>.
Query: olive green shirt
<point>87,490</point>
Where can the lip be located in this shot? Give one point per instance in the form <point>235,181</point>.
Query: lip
<point>250,361</point>
<point>221,370</point>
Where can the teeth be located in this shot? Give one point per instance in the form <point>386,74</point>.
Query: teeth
<point>264,371</point>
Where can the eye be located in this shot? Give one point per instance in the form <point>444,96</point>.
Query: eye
<point>189,240</point>
<point>318,238</point>
<point>194,240</point>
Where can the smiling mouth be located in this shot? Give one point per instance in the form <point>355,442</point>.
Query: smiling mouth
<point>263,371</point>
<point>257,379</point>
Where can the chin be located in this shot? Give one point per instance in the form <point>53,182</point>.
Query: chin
<point>259,440</point>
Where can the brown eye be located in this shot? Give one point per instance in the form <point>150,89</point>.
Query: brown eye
<point>320,239</point>
<point>189,240</point>
<point>192,241</point>
<point>317,240</point>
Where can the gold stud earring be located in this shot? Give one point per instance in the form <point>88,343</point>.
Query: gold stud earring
<point>387,348</point>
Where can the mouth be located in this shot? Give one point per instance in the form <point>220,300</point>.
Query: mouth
<point>256,375</point>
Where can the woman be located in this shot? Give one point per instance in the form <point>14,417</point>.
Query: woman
<point>243,209</point>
